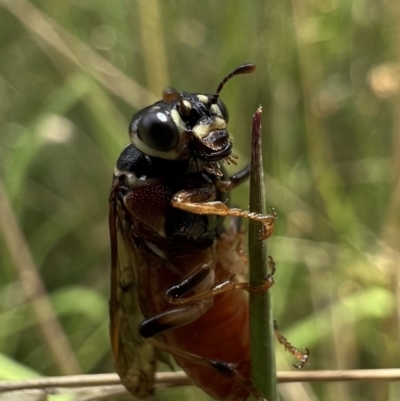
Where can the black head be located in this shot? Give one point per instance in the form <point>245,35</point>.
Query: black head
<point>185,125</point>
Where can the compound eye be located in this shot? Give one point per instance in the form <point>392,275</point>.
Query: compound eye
<point>224,110</point>
<point>157,130</point>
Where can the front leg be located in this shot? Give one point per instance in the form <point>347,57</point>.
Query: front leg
<point>235,180</point>
<point>202,201</point>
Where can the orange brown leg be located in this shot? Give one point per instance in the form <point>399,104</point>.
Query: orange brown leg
<point>201,201</point>
<point>302,357</point>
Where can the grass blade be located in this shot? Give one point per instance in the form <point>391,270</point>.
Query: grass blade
<point>263,369</point>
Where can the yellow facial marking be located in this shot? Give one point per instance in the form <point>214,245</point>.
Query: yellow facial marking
<point>187,104</point>
<point>203,98</point>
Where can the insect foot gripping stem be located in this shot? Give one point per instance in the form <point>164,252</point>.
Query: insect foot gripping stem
<point>182,201</point>
<point>268,225</point>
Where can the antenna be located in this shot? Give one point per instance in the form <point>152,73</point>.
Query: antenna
<point>242,69</point>
<point>170,95</point>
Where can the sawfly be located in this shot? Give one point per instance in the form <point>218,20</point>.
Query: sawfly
<point>174,261</point>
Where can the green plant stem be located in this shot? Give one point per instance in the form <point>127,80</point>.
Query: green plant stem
<point>263,371</point>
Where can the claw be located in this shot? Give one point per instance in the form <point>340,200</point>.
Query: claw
<point>303,359</point>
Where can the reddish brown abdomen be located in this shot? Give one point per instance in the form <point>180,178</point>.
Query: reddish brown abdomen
<point>222,333</point>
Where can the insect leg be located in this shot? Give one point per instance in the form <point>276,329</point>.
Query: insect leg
<point>235,180</point>
<point>180,316</point>
<point>302,357</point>
<point>189,283</point>
<point>227,369</point>
<point>225,286</point>
<point>173,318</point>
<point>201,201</point>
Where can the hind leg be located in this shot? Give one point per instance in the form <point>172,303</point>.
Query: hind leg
<point>302,357</point>
<point>226,369</point>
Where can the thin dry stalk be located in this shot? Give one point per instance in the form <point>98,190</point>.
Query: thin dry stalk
<point>34,290</point>
<point>153,44</point>
<point>173,379</point>
<point>77,52</point>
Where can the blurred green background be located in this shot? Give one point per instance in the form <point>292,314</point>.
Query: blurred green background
<point>73,73</point>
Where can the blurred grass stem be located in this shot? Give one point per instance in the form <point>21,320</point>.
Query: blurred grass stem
<point>153,45</point>
<point>34,290</point>
<point>80,55</point>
